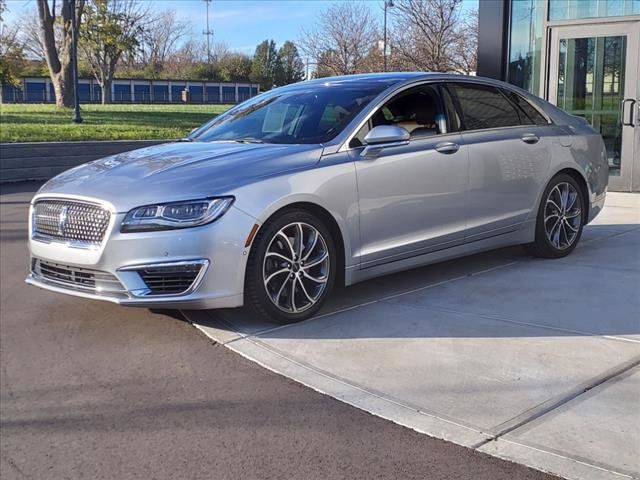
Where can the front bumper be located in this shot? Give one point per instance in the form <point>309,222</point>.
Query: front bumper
<point>218,246</point>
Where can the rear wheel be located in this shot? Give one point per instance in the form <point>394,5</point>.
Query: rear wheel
<point>560,218</point>
<point>291,268</point>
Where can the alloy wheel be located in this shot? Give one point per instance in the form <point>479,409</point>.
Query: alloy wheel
<point>296,267</point>
<point>562,215</point>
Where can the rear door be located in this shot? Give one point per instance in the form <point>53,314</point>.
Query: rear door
<point>509,155</point>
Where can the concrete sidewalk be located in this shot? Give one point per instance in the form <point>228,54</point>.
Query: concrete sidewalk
<point>535,361</point>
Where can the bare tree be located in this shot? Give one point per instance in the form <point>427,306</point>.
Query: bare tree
<point>427,33</point>
<point>58,54</point>
<point>161,38</point>
<point>342,37</point>
<point>110,28</point>
<point>466,47</point>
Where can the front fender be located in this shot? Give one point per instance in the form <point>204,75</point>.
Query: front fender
<point>332,188</point>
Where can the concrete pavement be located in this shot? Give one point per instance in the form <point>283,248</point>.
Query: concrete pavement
<point>535,361</point>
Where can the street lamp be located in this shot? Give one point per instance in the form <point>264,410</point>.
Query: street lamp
<point>387,4</point>
<point>74,62</point>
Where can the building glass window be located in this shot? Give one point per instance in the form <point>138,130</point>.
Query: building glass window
<point>525,45</point>
<point>575,9</point>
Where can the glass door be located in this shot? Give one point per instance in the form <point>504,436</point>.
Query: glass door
<point>594,74</point>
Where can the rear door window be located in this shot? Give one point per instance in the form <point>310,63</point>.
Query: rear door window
<point>483,106</point>
<point>529,110</point>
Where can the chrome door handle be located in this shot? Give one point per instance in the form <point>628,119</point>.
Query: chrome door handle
<point>530,138</point>
<point>628,123</point>
<point>447,147</point>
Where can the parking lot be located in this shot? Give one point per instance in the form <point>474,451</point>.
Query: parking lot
<point>533,361</point>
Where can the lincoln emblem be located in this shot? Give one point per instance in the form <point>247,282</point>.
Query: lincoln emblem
<point>62,219</point>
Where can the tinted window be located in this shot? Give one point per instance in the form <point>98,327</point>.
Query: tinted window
<point>485,107</point>
<point>315,113</point>
<point>529,110</point>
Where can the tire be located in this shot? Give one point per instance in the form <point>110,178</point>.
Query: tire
<point>281,284</point>
<point>560,218</point>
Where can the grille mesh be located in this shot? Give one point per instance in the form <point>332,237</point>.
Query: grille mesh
<point>76,277</point>
<point>172,279</point>
<point>75,221</point>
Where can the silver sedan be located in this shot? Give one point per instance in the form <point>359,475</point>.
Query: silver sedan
<point>325,182</point>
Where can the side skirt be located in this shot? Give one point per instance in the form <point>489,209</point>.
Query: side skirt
<point>525,234</point>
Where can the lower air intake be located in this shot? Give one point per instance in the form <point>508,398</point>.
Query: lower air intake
<point>170,279</point>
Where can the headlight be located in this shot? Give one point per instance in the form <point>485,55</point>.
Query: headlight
<point>168,216</point>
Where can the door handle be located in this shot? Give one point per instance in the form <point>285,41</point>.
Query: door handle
<point>628,123</point>
<point>530,138</point>
<point>447,147</point>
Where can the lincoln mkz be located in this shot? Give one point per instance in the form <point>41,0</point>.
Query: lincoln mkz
<point>318,184</point>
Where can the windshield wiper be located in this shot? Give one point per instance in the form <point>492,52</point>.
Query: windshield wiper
<point>248,140</point>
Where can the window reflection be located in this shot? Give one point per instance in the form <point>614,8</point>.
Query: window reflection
<point>527,18</point>
<point>591,85</point>
<point>574,9</point>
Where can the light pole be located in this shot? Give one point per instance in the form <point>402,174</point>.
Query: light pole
<point>208,33</point>
<point>74,61</point>
<point>387,4</point>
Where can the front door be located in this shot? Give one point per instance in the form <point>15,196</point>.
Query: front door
<point>594,74</point>
<point>413,198</point>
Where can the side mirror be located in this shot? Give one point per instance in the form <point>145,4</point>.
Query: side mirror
<point>384,136</point>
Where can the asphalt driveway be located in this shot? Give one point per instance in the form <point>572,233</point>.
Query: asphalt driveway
<point>92,390</point>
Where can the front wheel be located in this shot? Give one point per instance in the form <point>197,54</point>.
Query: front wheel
<point>291,268</point>
<point>560,218</point>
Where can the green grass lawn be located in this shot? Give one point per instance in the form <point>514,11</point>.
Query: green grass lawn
<point>45,123</point>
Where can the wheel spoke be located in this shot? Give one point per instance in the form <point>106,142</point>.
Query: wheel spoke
<point>554,204</point>
<point>313,245</point>
<point>304,290</point>
<point>293,296</point>
<point>275,274</point>
<point>314,279</point>
<point>573,214</point>
<point>548,217</point>
<point>288,242</point>
<point>279,294</point>
<point>555,237</point>
<point>316,261</point>
<point>299,240</point>
<point>572,200</point>
<point>568,224</point>
<point>278,255</point>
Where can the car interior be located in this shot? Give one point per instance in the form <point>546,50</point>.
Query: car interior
<point>418,111</point>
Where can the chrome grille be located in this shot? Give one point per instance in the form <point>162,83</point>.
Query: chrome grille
<point>77,278</point>
<point>70,221</point>
<point>170,279</point>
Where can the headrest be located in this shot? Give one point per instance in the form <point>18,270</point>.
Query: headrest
<point>426,113</point>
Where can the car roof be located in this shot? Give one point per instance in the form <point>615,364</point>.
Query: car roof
<point>387,79</point>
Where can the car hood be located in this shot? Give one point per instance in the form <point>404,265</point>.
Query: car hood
<point>179,171</point>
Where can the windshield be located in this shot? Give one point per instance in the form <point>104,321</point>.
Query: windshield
<point>312,114</point>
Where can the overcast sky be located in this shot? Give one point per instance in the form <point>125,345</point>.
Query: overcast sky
<point>242,24</point>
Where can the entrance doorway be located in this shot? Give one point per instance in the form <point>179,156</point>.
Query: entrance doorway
<point>593,73</point>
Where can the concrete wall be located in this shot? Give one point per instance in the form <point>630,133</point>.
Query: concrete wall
<point>41,161</point>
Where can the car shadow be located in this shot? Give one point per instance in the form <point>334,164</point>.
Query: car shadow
<point>499,293</point>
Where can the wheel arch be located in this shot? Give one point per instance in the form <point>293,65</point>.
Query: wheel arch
<point>584,188</point>
<point>328,219</point>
